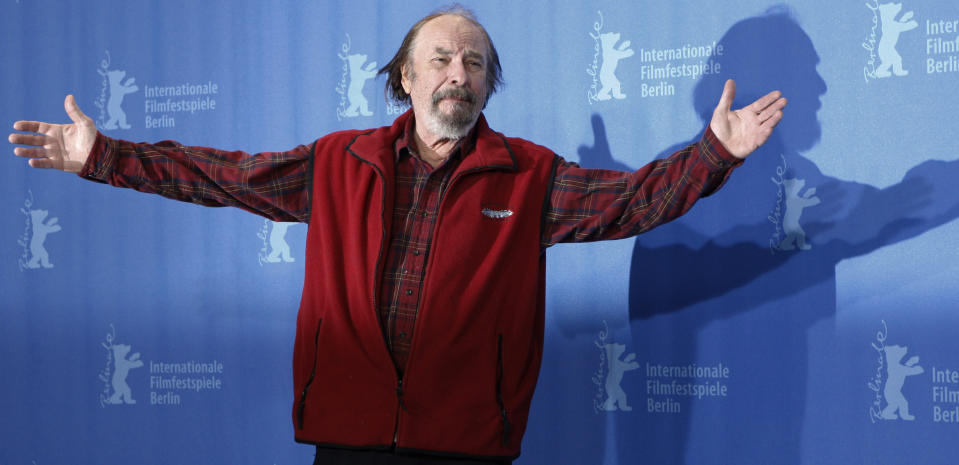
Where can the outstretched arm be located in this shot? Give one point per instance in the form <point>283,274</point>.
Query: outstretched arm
<point>743,131</point>
<point>590,204</point>
<point>59,146</point>
<point>595,204</point>
<point>271,184</point>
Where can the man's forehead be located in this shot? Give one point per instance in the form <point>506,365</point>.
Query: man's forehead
<point>451,34</point>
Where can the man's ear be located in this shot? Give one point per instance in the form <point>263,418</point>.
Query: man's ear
<point>405,80</point>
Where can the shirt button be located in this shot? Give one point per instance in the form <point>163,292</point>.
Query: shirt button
<point>402,335</point>
<point>409,292</point>
<point>416,253</point>
<point>423,214</point>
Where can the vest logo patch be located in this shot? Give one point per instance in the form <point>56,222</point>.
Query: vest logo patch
<point>497,214</point>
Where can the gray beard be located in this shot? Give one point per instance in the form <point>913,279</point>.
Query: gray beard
<point>454,127</point>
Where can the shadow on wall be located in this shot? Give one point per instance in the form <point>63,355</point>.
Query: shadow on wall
<point>758,258</point>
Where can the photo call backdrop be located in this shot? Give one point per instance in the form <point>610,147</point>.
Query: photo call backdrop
<point>804,314</point>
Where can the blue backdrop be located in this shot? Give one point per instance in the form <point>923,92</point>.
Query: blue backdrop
<point>804,314</point>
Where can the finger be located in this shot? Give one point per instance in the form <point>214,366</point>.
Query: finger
<point>773,121</point>
<point>771,110</point>
<point>32,126</point>
<point>28,139</point>
<point>775,106</point>
<point>729,94</point>
<point>30,152</point>
<point>42,163</point>
<point>763,102</point>
<point>73,110</point>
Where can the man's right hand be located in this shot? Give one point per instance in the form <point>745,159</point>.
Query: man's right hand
<point>60,146</point>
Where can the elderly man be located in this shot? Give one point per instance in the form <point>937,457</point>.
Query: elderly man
<point>420,330</point>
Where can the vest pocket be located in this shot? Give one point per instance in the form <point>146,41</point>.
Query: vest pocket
<point>499,389</point>
<point>309,381</point>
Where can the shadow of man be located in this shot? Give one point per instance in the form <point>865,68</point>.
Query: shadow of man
<point>743,277</point>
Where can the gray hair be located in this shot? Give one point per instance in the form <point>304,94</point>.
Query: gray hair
<point>404,56</point>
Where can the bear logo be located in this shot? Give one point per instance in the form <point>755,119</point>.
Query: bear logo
<point>614,392</point>
<point>118,90</point>
<point>795,204</point>
<point>359,74</point>
<point>891,29</point>
<point>122,367</point>
<point>896,374</point>
<point>40,228</point>
<point>279,248</point>
<point>607,72</point>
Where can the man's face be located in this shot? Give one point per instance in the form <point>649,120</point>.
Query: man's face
<point>446,79</point>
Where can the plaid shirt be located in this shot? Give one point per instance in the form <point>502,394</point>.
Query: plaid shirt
<point>585,204</point>
<point>416,204</point>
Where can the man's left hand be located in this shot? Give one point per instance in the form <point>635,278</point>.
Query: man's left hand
<point>743,131</point>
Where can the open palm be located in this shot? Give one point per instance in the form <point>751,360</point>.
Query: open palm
<point>743,131</point>
<point>59,146</point>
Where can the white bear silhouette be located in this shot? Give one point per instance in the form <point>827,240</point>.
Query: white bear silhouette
<point>122,366</point>
<point>611,57</point>
<point>117,91</point>
<point>280,249</point>
<point>891,28</point>
<point>795,204</point>
<point>896,376</point>
<point>614,392</point>
<point>39,256</point>
<point>359,74</point>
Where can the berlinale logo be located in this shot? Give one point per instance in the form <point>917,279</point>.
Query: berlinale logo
<point>114,376</point>
<point>356,71</point>
<point>37,227</point>
<point>881,43</point>
<point>610,395</point>
<point>112,92</point>
<point>275,248</point>
<point>891,374</point>
<point>608,51</point>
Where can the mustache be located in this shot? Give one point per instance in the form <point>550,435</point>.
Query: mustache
<point>460,93</point>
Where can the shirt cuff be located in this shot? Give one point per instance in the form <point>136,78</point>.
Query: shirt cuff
<point>101,160</point>
<point>715,155</point>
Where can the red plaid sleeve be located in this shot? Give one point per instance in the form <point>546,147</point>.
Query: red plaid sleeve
<point>275,185</point>
<point>592,205</point>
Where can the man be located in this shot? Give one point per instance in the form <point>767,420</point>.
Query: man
<point>420,329</point>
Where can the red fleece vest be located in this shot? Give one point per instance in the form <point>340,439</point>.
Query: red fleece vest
<point>476,347</point>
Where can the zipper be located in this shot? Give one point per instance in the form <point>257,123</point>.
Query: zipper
<point>396,425</point>
<point>306,387</point>
<point>427,265</point>
<point>384,240</point>
<point>384,234</point>
<point>499,389</point>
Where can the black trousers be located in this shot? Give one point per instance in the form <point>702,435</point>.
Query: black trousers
<point>327,456</point>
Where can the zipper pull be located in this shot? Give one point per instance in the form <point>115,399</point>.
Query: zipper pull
<point>399,393</point>
<point>396,427</point>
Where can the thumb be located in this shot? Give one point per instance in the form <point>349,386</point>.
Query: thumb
<point>73,110</point>
<point>729,94</point>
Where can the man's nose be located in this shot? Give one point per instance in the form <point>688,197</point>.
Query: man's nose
<point>457,73</point>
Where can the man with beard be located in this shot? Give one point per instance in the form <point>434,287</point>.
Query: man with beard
<point>420,329</point>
